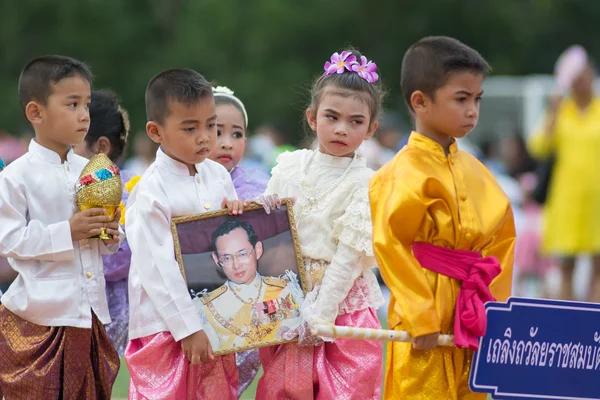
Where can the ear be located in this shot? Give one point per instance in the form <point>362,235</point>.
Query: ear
<point>215,259</point>
<point>258,248</point>
<point>153,131</point>
<point>372,130</point>
<point>311,117</point>
<point>33,113</point>
<point>419,101</point>
<point>102,145</point>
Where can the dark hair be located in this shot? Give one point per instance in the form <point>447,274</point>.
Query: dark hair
<point>231,225</point>
<point>428,63</point>
<point>108,119</point>
<point>40,74</point>
<point>181,84</point>
<point>228,100</point>
<point>349,83</point>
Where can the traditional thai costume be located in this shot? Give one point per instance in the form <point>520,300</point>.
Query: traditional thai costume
<point>334,230</point>
<point>52,340</point>
<point>441,226</point>
<point>162,312</point>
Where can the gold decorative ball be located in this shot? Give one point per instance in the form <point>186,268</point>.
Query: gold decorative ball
<point>100,183</point>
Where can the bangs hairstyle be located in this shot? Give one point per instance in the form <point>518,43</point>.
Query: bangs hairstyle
<point>182,85</point>
<point>40,74</point>
<point>428,63</point>
<point>347,84</point>
<point>108,119</point>
<point>220,100</point>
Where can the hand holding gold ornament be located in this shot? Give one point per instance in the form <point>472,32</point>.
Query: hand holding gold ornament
<point>87,224</point>
<point>112,228</point>
<point>99,191</point>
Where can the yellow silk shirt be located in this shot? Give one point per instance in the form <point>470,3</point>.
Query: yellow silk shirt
<point>572,210</point>
<point>453,202</point>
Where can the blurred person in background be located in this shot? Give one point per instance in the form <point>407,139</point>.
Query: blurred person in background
<point>265,145</point>
<point>531,265</point>
<point>11,147</point>
<point>570,134</point>
<point>380,151</point>
<point>144,151</point>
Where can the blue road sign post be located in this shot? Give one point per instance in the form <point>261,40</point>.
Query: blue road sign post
<point>539,349</point>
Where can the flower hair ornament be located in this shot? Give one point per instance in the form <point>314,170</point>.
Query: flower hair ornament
<point>347,61</point>
<point>223,91</point>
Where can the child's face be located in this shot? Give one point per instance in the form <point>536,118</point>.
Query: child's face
<point>65,119</point>
<point>341,123</point>
<point>455,110</point>
<point>188,133</point>
<point>231,136</point>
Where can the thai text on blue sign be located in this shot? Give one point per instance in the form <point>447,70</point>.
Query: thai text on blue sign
<point>539,349</point>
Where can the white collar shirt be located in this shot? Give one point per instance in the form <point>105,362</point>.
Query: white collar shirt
<point>60,282</point>
<point>159,300</point>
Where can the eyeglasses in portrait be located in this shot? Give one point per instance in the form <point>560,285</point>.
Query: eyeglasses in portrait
<point>244,273</point>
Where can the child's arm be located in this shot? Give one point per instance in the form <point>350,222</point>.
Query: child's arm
<point>397,213</point>
<point>108,248</point>
<point>503,248</point>
<point>354,254</point>
<point>346,266</point>
<point>25,240</point>
<point>148,226</point>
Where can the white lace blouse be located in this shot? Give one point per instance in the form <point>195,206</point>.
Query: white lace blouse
<point>335,232</point>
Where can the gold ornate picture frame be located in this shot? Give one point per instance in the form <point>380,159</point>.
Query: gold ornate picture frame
<point>245,274</point>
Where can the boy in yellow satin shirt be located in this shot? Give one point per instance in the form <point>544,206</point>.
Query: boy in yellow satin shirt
<point>433,203</point>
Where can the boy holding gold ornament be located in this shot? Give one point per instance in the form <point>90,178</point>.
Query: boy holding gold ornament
<point>52,339</point>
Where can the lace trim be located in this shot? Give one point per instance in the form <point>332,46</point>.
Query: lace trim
<point>354,228</point>
<point>365,292</point>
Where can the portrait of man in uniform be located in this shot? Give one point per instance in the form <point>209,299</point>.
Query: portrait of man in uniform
<point>244,274</point>
<point>249,308</point>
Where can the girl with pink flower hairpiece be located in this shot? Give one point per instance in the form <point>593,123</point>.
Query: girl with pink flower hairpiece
<point>333,221</point>
<point>347,62</point>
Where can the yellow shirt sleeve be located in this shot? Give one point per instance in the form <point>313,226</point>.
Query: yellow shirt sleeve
<point>502,248</point>
<point>397,213</point>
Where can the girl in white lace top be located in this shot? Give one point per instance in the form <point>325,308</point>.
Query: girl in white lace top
<point>334,229</point>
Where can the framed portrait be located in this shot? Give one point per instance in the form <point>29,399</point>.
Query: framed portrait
<point>244,273</point>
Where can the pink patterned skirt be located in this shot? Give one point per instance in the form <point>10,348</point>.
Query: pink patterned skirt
<point>159,370</point>
<point>345,369</point>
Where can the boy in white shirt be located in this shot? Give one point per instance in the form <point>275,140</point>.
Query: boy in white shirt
<point>52,339</point>
<point>181,112</point>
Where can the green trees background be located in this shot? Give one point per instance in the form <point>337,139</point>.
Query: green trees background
<point>268,51</point>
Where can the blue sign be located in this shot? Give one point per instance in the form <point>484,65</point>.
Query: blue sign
<point>539,349</point>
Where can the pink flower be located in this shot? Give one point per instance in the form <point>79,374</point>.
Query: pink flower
<point>339,62</point>
<point>366,70</point>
